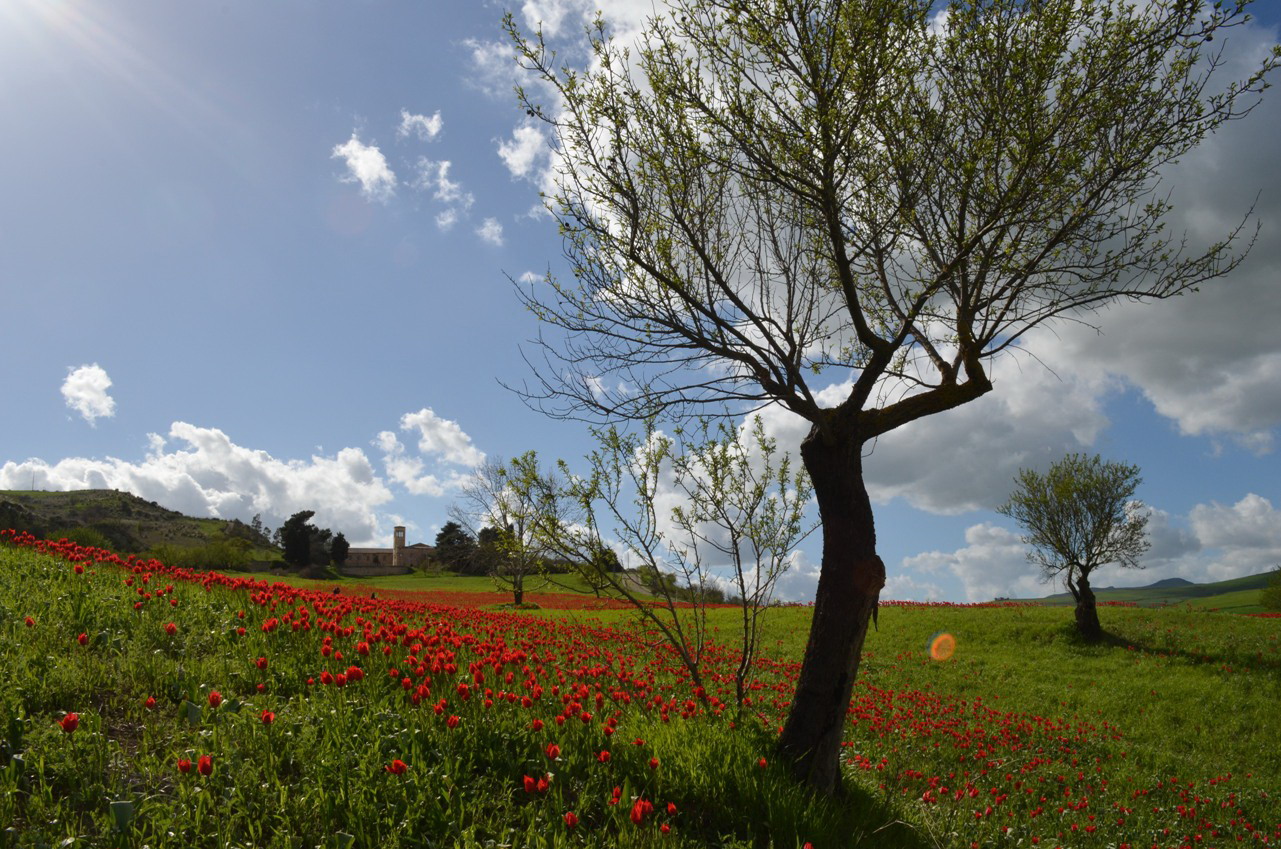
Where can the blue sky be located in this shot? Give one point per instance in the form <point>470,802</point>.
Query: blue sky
<point>254,259</point>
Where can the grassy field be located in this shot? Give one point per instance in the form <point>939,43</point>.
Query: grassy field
<point>349,721</point>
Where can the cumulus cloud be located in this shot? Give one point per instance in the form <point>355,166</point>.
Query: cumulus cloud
<point>523,151</point>
<point>442,437</point>
<point>441,443</point>
<point>210,475</point>
<point>424,127</point>
<point>85,391</point>
<point>993,563</point>
<point>491,231</point>
<point>367,166</point>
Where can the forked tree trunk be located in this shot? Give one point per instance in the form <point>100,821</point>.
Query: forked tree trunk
<point>849,586</point>
<point>1087,611</point>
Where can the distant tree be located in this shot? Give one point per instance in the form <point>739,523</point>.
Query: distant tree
<point>1080,516</point>
<point>303,542</point>
<point>259,529</point>
<point>1270,597</point>
<point>507,542</point>
<point>455,548</point>
<point>338,549</point>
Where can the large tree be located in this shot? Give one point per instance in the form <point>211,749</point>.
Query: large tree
<point>772,201</point>
<point>1079,516</point>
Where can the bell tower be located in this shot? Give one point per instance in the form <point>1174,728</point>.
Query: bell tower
<point>397,545</point>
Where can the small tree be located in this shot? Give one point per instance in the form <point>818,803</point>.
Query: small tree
<point>738,518</point>
<point>1078,517</point>
<point>454,547</point>
<point>504,518</point>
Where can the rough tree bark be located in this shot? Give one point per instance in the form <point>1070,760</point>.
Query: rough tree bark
<point>849,588</point>
<point>1087,611</point>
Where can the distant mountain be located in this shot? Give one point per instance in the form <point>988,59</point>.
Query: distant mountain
<point>1167,583</point>
<point>123,522</point>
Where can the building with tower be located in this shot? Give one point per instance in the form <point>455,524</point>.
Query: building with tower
<point>398,559</point>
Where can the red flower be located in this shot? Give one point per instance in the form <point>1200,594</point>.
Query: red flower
<point>326,677</point>
<point>150,703</point>
<point>70,722</point>
<point>268,717</point>
<point>261,663</point>
<point>355,673</point>
<point>83,638</point>
<point>215,698</point>
<point>205,765</point>
<point>570,819</point>
<point>397,767</point>
<point>171,629</point>
<point>638,811</point>
<point>762,763</point>
<point>30,623</point>
<point>530,784</point>
<point>553,751</point>
<point>653,763</point>
<point>671,811</point>
<point>665,828</point>
<point>452,722</point>
<point>184,765</point>
<point>537,725</point>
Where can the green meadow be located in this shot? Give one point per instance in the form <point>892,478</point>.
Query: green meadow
<point>343,721</point>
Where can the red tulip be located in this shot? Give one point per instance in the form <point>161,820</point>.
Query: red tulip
<point>205,765</point>
<point>70,722</point>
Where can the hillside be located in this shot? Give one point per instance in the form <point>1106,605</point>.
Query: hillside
<point>127,523</point>
<point>1229,594</point>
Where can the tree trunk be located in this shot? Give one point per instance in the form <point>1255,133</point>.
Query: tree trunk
<point>518,595</point>
<point>849,587</point>
<point>1087,613</point>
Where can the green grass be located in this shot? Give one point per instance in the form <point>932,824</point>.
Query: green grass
<point>1125,732</point>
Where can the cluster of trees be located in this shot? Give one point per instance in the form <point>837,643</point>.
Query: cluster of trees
<point>304,544</point>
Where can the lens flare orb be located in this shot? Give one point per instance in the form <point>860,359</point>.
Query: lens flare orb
<point>942,646</point>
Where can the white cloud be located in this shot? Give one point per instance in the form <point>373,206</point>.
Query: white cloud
<point>442,437</point>
<point>424,127</point>
<point>447,219</point>
<point>528,277</point>
<point>213,476</point>
<point>992,564</point>
<point>524,150</point>
<point>85,391</point>
<point>441,441</point>
<point>367,166</point>
<point>548,14</point>
<point>491,231</point>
